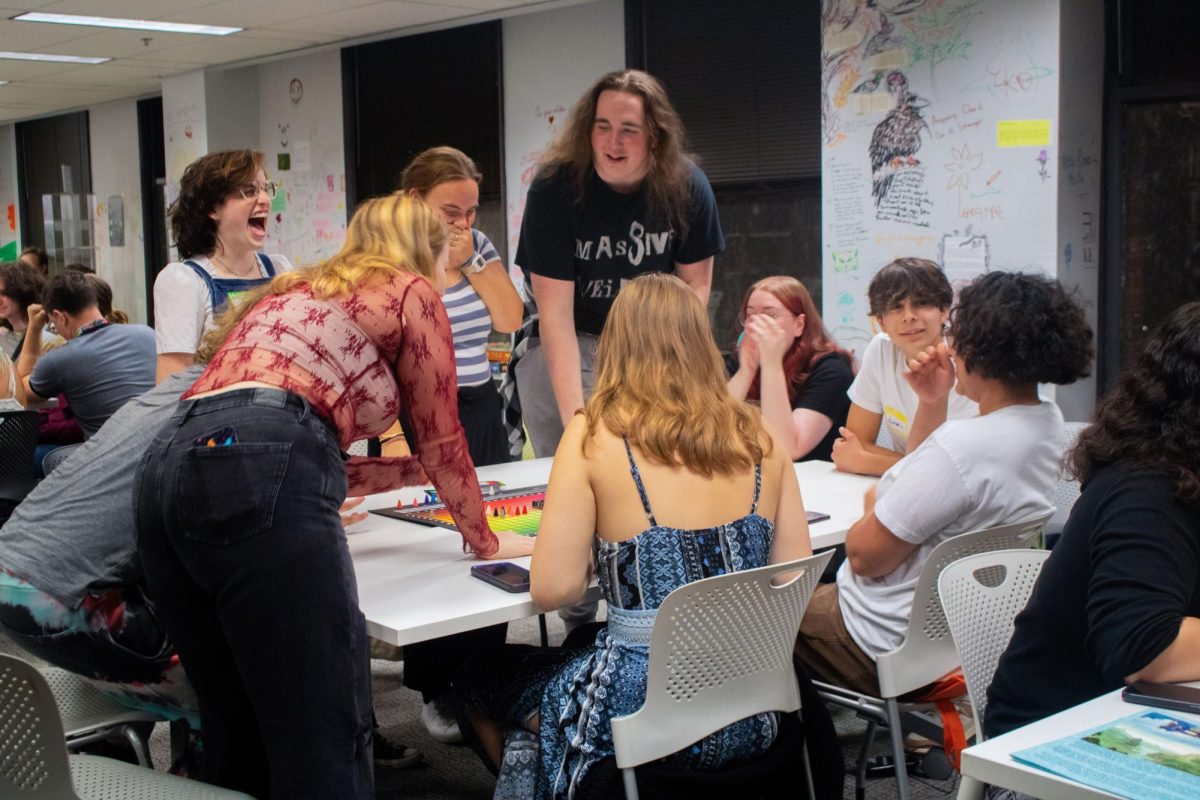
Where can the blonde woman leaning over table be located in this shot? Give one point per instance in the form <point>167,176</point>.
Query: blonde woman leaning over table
<point>664,479</point>
<point>238,500</point>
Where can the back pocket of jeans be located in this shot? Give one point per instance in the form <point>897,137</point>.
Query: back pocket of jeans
<point>227,494</point>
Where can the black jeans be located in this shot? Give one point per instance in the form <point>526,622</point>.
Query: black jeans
<point>244,553</point>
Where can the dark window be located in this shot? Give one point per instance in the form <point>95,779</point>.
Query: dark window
<point>54,159</point>
<point>745,78</point>
<point>404,95</point>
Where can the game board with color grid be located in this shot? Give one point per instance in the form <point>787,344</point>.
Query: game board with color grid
<point>516,510</point>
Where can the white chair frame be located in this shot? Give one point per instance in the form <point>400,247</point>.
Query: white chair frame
<point>982,596</point>
<point>721,650</point>
<point>925,655</point>
<point>34,764</point>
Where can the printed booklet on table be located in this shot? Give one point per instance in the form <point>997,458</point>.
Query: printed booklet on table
<point>1154,755</point>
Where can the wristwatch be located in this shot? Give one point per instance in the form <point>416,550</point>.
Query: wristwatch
<point>474,266</point>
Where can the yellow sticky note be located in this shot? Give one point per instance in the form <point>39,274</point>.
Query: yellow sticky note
<point>1023,133</point>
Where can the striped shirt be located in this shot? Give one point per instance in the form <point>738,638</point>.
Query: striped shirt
<point>470,322</point>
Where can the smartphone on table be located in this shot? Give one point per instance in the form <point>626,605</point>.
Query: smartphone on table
<point>1174,696</point>
<point>508,576</point>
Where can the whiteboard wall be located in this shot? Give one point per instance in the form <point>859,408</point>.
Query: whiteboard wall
<point>550,60</point>
<point>939,131</point>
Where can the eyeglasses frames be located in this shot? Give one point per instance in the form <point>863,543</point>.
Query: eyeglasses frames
<point>250,191</point>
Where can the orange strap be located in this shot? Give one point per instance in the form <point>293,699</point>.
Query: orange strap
<point>941,694</point>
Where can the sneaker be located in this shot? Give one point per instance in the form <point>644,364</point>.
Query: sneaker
<point>441,725</point>
<point>392,755</point>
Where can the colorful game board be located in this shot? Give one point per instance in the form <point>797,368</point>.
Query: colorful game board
<point>516,510</point>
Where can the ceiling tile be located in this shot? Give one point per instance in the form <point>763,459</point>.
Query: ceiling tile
<point>372,19</point>
<point>242,14</point>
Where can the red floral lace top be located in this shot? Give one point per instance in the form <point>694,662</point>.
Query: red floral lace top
<point>357,360</point>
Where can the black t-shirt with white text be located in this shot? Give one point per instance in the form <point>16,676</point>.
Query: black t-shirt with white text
<point>608,238</point>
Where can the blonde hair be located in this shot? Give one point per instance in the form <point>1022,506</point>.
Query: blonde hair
<point>661,383</point>
<point>386,234</point>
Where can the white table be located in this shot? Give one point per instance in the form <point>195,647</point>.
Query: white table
<point>991,761</point>
<point>414,581</point>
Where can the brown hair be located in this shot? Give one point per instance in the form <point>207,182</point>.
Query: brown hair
<point>666,392</point>
<point>436,166</point>
<point>72,292</point>
<point>386,234</point>
<point>206,183</point>
<point>916,279</point>
<point>813,343</point>
<point>23,284</point>
<point>104,300</point>
<point>666,183</point>
<point>39,255</point>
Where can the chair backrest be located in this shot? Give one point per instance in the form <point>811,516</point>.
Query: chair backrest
<point>57,456</point>
<point>982,595</point>
<point>1066,488</point>
<point>33,752</point>
<point>18,441</point>
<point>927,652</point>
<point>721,651</point>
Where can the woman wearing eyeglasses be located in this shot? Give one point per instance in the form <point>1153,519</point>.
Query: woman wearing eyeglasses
<point>219,223</point>
<point>789,363</point>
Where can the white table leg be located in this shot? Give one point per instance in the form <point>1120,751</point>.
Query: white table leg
<point>970,789</point>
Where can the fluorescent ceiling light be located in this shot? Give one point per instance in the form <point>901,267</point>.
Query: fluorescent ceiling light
<point>3,82</point>
<point>133,24</point>
<point>52,57</point>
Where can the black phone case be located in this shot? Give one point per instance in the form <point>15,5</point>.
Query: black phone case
<point>487,577</point>
<point>1144,696</point>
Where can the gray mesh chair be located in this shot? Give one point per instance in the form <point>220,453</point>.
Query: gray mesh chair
<point>33,756</point>
<point>57,456</point>
<point>89,715</point>
<point>927,653</point>
<point>721,651</point>
<point>982,596</point>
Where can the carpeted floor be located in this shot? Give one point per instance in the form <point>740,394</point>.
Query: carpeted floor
<point>454,773</point>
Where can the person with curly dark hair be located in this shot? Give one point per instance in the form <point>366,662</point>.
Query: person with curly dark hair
<point>20,287</point>
<point>219,223</point>
<point>1008,333</point>
<point>1119,598</point>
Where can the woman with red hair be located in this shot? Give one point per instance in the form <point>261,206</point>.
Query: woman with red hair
<point>789,364</point>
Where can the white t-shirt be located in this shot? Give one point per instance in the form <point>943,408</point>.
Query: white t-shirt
<point>969,474</point>
<point>879,387</point>
<point>182,305</point>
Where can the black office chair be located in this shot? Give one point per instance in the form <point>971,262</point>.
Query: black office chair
<point>18,441</point>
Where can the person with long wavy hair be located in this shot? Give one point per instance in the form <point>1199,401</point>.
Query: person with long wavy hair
<point>615,195</point>
<point>1008,333</point>
<point>710,492</point>
<point>1119,598</point>
<point>219,225</point>
<point>788,363</point>
<point>238,497</point>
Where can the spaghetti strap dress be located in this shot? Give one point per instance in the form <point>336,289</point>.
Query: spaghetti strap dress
<point>578,692</point>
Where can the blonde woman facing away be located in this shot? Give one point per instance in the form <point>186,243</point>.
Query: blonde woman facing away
<point>664,479</point>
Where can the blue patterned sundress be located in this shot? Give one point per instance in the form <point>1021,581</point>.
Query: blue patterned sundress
<point>609,680</point>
